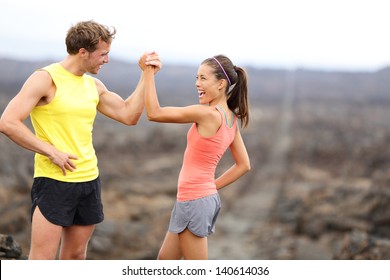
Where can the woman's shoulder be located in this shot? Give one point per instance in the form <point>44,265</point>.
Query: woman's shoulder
<point>203,109</point>
<point>207,114</point>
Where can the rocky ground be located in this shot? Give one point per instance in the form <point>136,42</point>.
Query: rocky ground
<point>318,189</point>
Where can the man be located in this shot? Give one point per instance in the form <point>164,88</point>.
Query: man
<point>62,101</point>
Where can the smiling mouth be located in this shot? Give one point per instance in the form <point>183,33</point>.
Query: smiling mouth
<point>201,94</point>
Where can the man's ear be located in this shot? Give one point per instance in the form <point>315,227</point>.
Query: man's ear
<point>83,52</point>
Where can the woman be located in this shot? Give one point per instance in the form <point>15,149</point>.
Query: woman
<point>223,98</point>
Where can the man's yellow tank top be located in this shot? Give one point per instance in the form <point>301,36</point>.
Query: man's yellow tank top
<point>67,124</point>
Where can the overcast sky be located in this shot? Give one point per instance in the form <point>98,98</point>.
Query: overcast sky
<point>322,34</point>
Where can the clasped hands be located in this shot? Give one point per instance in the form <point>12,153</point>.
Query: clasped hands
<point>150,60</point>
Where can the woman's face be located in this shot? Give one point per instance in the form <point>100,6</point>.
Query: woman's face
<point>209,88</point>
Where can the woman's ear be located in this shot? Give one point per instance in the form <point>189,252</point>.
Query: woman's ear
<point>222,84</point>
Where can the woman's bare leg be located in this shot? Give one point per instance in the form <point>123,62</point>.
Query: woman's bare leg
<point>170,249</point>
<point>193,247</point>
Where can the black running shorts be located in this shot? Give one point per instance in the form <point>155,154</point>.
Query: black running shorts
<point>66,204</point>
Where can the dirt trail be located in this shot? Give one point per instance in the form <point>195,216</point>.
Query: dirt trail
<point>250,211</point>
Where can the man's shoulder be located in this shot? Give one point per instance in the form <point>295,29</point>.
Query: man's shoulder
<point>51,67</point>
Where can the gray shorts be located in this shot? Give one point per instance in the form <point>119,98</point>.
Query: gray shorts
<point>198,215</point>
